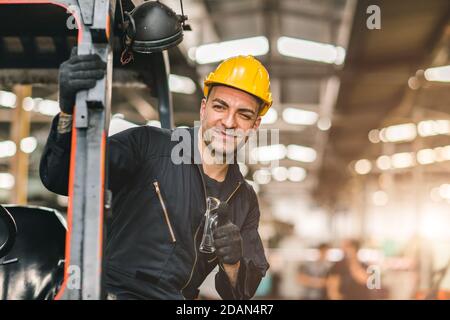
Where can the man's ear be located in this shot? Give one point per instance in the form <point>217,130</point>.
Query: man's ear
<point>202,108</point>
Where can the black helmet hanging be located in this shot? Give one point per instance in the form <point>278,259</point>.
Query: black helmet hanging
<point>152,27</point>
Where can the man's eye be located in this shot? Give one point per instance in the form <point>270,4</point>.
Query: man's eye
<point>219,107</point>
<point>245,116</point>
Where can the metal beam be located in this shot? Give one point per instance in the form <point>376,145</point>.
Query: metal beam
<point>20,129</point>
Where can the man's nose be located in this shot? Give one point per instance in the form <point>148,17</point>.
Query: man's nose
<point>229,121</point>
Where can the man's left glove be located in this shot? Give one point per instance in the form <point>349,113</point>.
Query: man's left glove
<point>227,238</point>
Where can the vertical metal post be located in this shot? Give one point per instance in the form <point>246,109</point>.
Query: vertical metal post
<point>160,67</point>
<point>20,128</point>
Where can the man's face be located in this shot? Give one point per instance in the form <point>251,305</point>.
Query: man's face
<point>227,117</point>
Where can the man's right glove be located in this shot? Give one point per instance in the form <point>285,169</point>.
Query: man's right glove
<point>78,73</point>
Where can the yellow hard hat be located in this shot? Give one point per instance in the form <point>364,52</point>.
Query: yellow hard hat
<point>244,73</point>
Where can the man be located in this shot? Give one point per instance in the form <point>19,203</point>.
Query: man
<point>312,276</point>
<point>153,237</point>
<point>348,277</point>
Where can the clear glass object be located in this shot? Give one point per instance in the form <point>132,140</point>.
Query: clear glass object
<point>211,215</point>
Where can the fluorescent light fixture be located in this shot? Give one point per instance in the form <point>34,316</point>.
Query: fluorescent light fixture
<point>426,156</point>
<point>298,116</point>
<point>154,123</point>
<point>384,162</point>
<point>269,153</point>
<point>46,107</point>
<point>28,104</point>
<point>270,117</point>
<point>310,50</point>
<point>262,176</point>
<point>28,145</point>
<point>363,166</point>
<point>181,84</point>
<point>444,153</point>
<point>324,124</point>
<point>214,52</point>
<point>402,160</point>
<point>441,74</point>
<point>398,133</point>
<point>280,174</point>
<point>301,153</point>
<point>7,149</point>
<point>429,128</point>
<point>7,99</point>
<point>118,116</point>
<point>296,174</point>
<point>7,181</point>
<point>118,124</point>
<point>374,136</point>
<point>191,53</point>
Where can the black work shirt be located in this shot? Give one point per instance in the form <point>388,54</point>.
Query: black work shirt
<point>215,188</point>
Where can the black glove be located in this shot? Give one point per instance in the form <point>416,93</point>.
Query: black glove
<point>78,73</point>
<point>227,238</point>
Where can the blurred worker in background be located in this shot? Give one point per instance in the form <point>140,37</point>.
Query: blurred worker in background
<point>348,278</point>
<point>312,276</point>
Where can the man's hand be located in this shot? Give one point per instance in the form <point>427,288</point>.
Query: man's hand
<point>78,73</point>
<point>228,243</point>
<point>227,238</point>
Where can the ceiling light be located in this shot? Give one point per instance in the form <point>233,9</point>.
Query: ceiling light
<point>296,174</point>
<point>7,149</point>
<point>7,99</point>
<point>28,145</point>
<point>363,166</point>
<point>280,174</point>
<point>118,124</point>
<point>441,74</point>
<point>214,52</point>
<point>262,176</point>
<point>397,133</point>
<point>46,107</point>
<point>433,127</point>
<point>301,153</point>
<point>426,156</point>
<point>384,162</point>
<point>154,123</point>
<point>7,181</point>
<point>270,117</point>
<point>181,84</point>
<point>269,153</point>
<point>324,124</point>
<point>402,160</point>
<point>310,50</point>
<point>374,136</point>
<point>298,116</point>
